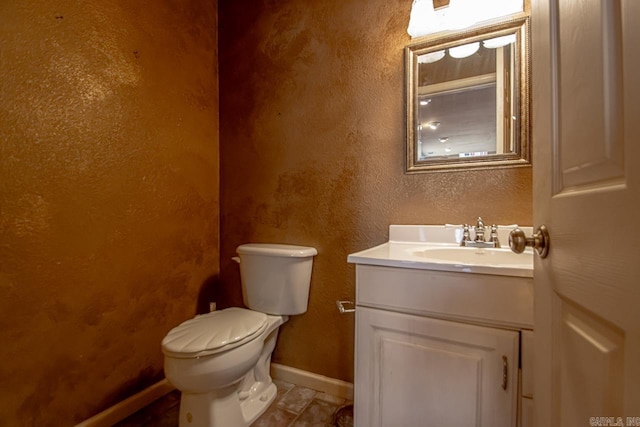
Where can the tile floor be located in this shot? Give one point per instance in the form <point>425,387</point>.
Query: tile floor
<point>294,406</point>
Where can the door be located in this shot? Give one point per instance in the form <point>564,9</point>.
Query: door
<point>586,143</point>
<point>417,371</point>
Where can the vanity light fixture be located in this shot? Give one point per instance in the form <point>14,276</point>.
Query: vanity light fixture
<point>463,13</point>
<point>424,19</point>
<point>448,149</point>
<point>424,102</point>
<point>459,14</point>
<point>443,139</point>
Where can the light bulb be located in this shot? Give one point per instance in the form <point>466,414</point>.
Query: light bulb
<point>462,14</point>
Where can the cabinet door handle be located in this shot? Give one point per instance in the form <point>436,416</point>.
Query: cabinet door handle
<point>505,372</point>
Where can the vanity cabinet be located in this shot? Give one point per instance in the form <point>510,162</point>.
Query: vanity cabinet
<point>419,371</point>
<point>437,348</point>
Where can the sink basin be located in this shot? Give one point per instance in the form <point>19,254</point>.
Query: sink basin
<point>437,247</point>
<point>475,256</point>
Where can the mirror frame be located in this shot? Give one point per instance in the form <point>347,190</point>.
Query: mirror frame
<point>521,157</point>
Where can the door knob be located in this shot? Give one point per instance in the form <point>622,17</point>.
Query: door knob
<point>539,241</point>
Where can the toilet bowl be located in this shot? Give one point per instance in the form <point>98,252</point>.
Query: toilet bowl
<point>220,361</point>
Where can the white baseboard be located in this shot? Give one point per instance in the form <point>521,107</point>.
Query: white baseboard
<point>313,381</point>
<point>123,409</point>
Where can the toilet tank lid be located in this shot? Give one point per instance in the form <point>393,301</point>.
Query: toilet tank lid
<point>215,331</point>
<point>273,249</point>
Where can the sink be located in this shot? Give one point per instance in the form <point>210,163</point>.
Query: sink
<point>437,247</point>
<point>486,256</point>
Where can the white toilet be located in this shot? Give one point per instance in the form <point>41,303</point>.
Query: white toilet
<point>220,360</point>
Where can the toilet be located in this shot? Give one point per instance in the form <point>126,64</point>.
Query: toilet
<point>220,360</point>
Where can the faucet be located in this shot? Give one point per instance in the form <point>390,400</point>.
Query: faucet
<point>479,229</point>
<point>479,240</point>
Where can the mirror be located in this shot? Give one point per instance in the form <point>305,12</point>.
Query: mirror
<point>468,99</point>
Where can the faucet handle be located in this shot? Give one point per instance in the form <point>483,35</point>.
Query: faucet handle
<point>494,236</point>
<point>466,234</point>
<point>494,233</point>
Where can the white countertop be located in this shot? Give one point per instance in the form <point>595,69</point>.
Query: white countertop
<point>412,246</point>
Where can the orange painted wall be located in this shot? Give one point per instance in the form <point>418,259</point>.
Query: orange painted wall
<point>109,196</point>
<point>312,148</point>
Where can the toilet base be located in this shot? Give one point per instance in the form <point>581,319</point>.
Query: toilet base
<point>252,408</point>
<point>208,410</point>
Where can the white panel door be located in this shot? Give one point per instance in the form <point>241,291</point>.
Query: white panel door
<point>416,371</point>
<point>586,143</point>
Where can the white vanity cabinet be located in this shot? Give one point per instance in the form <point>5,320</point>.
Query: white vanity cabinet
<point>419,371</point>
<point>438,348</point>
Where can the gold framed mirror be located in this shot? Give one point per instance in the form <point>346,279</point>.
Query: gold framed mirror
<point>467,97</point>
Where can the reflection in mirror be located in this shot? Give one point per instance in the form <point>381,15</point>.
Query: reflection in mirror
<point>467,99</point>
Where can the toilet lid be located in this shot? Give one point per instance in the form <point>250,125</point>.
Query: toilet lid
<point>213,332</point>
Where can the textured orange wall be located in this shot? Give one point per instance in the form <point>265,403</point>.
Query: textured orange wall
<point>109,196</point>
<point>312,148</point>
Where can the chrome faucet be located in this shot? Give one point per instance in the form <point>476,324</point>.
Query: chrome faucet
<point>479,240</point>
<point>479,229</point>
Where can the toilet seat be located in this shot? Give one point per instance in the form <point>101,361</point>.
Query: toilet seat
<point>214,332</point>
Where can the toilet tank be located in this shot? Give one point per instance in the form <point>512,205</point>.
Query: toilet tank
<point>276,278</point>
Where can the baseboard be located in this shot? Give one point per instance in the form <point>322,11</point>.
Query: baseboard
<point>123,409</point>
<point>313,381</point>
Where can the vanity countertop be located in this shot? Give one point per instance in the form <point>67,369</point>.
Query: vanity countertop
<point>437,247</point>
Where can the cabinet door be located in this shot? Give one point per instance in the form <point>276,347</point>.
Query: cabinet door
<point>417,371</point>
